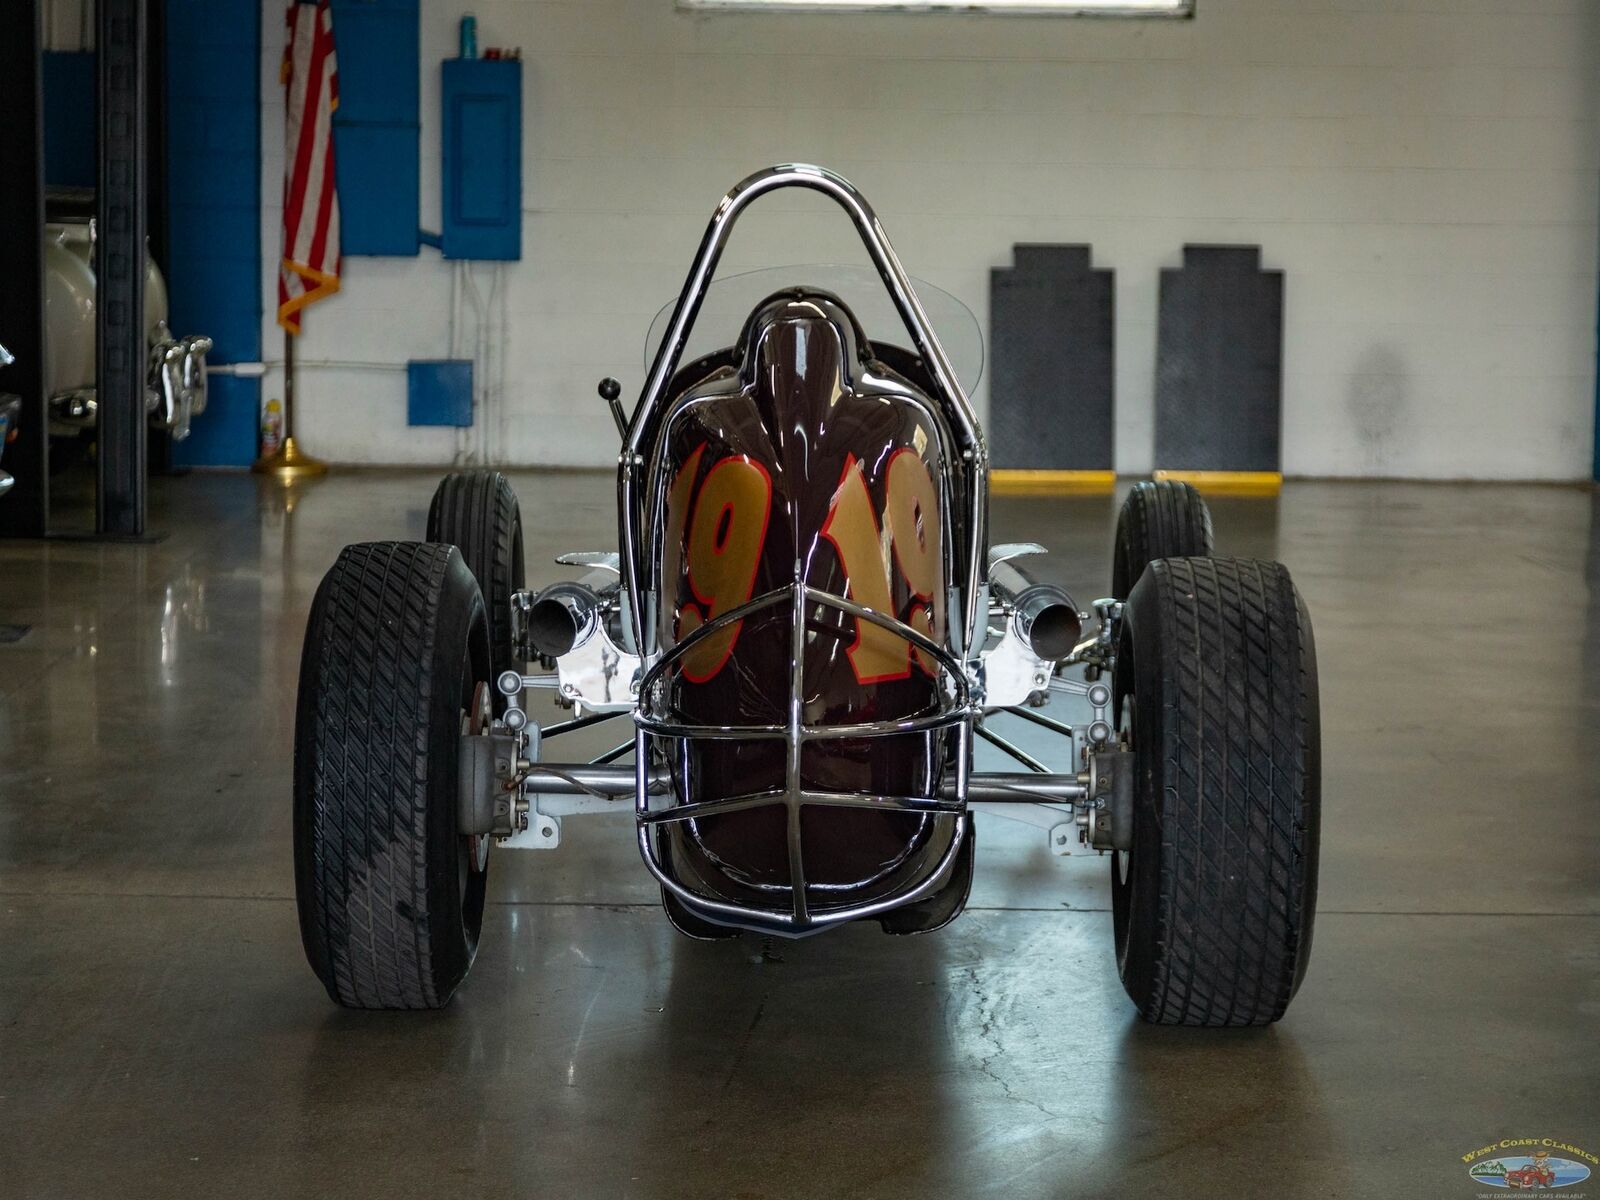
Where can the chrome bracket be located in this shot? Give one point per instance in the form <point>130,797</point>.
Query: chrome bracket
<point>1011,673</point>
<point>536,830</point>
<point>1099,696</point>
<point>521,603</point>
<point>511,685</point>
<point>598,675</point>
<point>1099,653</point>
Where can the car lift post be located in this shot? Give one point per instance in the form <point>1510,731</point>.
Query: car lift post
<point>157,204</point>
<point>25,510</point>
<point>120,350</point>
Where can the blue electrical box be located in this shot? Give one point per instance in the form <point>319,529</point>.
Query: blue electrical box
<point>439,391</point>
<point>375,127</point>
<point>482,134</point>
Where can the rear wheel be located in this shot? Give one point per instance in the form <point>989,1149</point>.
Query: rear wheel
<point>1216,689</point>
<point>477,512</point>
<point>1159,519</point>
<point>395,668</point>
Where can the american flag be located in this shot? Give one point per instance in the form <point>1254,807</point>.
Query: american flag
<point>310,267</point>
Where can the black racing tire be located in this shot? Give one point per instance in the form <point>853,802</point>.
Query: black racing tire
<point>1159,519</point>
<point>477,512</point>
<point>390,895</point>
<point>1216,688</point>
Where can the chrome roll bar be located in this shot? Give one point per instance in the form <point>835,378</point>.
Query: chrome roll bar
<point>957,408</point>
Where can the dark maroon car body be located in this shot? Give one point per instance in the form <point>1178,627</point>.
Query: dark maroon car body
<point>806,397</point>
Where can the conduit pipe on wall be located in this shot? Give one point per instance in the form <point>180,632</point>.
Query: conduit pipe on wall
<point>495,368</point>
<point>455,347</point>
<point>300,364</point>
<point>485,440</point>
<point>474,442</point>
<point>486,339</point>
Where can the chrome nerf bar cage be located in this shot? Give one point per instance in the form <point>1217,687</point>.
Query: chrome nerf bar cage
<point>953,709</point>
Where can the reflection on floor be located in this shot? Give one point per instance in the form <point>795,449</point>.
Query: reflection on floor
<point>161,1035</point>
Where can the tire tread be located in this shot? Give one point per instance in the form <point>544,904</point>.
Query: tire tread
<point>1239,819</point>
<point>477,511</point>
<point>364,893</point>
<point>1159,519</point>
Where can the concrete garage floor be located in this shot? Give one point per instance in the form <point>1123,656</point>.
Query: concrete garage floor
<point>161,1035</point>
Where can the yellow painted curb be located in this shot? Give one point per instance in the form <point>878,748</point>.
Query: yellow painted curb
<point>1228,483</point>
<point>1013,482</point>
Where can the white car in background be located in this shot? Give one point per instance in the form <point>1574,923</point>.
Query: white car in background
<point>175,383</point>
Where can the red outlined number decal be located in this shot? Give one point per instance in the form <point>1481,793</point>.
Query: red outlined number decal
<point>910,537</point>
<point>725,535</point>
<point>723,527</point>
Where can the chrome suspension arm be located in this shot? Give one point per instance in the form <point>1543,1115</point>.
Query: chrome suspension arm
<point>618,783</point>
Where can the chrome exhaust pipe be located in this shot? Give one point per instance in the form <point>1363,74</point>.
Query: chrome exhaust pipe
<point>1043,614</point>
<point>564,614</point>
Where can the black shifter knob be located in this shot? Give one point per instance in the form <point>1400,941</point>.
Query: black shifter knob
<point>609,390</point>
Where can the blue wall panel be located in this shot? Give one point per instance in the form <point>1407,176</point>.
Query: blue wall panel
<point>378,55</point>
<point>214,227</point>
<point>378,187</point>
<point>376,126</point>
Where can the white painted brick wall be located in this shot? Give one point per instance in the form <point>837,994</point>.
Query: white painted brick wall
<point>1426,173</point>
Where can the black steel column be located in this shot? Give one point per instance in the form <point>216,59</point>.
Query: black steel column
<point>121,352</point>
<point>156,181</point>
<point>25,509</point>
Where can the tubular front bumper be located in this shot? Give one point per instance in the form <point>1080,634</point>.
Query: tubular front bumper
<point>654,726</point>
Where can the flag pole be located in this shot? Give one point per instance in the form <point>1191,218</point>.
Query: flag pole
<point>289,463</point>
<point>308,270</point>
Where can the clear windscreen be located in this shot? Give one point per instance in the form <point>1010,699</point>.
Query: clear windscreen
<point>730,301</point>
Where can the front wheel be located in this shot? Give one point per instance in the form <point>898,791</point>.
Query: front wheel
<point>395,668</point>
<point>1216,689</point>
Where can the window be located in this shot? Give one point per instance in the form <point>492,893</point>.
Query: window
<point>1110,8</point>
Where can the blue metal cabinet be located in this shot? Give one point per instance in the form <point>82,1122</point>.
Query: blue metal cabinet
<point>482,133</point>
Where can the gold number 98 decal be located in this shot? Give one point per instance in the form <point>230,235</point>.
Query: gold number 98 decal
<point>728,528</point>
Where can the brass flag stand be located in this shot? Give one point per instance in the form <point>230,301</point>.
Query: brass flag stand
<point>289,463</point>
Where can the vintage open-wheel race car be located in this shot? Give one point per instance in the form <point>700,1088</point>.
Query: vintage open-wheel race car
<point>806,625</point>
